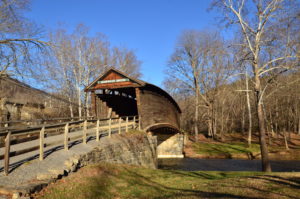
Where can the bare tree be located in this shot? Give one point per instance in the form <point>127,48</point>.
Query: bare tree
<point>126,61</point>
<point>257,21</point>
<point>18,37</point>
<point>77,59</point>
<point>199,65</point>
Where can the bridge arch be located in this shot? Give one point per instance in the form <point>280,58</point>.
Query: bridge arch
<point>114,93</point>
<point>169,140</point>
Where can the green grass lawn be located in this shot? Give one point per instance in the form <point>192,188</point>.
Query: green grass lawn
<point>227,150</point>
<point>120,181</point>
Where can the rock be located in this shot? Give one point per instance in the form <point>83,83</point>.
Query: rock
<point>45,176</point>
<point>16,195</point>
<point>56,172</point>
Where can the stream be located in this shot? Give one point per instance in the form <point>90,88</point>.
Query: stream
<point>194,164</point>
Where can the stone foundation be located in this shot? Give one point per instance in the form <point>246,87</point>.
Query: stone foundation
<point>125,149</point>
<point>170,145</point>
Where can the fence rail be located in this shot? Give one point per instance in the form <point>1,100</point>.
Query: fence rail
<point>10,124</point>
<point>71,132</point>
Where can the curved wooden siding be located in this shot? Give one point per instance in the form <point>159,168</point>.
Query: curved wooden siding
<point>155,108</point>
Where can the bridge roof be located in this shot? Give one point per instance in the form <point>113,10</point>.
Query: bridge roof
<point>115,79</point>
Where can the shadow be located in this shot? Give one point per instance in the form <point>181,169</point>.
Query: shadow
<point>145,184</point>
<point>178,192</point>
<point>291,182</point>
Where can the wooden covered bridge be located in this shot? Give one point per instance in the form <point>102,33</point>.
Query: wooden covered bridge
<point>116,94</point>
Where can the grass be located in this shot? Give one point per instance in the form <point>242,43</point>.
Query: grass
<point>227,150</point>
<point>120,181</point>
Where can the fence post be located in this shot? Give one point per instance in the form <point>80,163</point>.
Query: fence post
<point>66,136</point>
<point>126,124</point>
<point>139,123</point>
<point>120,119</point>
<point>84,131</point>
<point>42,139</point>
<point>133,122</point>
<point>6,154</point>
<point>97,130</point>
<point>109,127</point>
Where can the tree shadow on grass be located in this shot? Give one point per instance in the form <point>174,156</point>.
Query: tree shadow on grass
<point>171,192</point>
<point>293,182</point>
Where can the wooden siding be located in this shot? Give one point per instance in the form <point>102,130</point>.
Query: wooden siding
<point>155,108</point>
<point>112,76</point>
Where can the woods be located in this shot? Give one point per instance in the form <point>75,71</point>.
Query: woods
<point>265,48</point>
<point>60,62</point>
<point>76,59</point>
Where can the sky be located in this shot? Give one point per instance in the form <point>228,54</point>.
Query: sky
<point>149,27</point>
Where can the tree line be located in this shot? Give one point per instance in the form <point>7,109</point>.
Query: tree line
<point>248,83</point>
<point>59,62</point>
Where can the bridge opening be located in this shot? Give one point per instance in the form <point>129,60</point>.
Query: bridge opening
<point>121,101</point>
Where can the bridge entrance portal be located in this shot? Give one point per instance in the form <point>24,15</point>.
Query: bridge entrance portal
<point>117,102</point>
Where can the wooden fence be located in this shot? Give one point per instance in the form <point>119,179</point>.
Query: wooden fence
<point>13,124</point>
<point>70,132</point>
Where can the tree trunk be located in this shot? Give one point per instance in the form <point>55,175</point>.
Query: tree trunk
<point>243,120</point>
<point>285,140</point>
<point>271,123</point>
<point>276,119</point>
<point>249,112</point>
<point>267,124</point>
<point>79,102</point>
<point>215,122</point>
<point>222,121</point>
<point>196,115</point>
<point>71,108</point>
<point>299,126</point>
<point>266,166</point>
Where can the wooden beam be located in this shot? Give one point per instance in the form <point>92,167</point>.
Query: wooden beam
<point>84,132</point>
<point>6,153</point>
<point>97,130</point>
<point>138,104</point>
<point>120,120</point>
<point>42,140</point>
<point>109,127</point>
<point>66,137</point>
<point>126,124</point>
<point>139,122</point>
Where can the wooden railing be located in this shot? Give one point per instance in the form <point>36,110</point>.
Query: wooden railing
<point>36,122</point>
<point>72,132</point>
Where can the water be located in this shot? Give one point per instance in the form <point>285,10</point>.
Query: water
<point>193,164</point>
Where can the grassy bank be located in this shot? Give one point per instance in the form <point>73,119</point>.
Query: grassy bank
<point>111,181</point>
<point>234,146</point>
<point>224,150</point>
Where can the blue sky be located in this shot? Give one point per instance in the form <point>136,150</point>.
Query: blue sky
<point>149,27</point>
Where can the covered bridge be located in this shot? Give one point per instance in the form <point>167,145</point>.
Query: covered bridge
<point>116,94</point>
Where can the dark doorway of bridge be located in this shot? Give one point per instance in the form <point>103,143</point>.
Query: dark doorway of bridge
<point>121,101</point>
